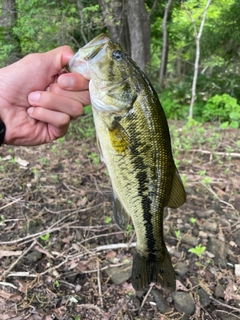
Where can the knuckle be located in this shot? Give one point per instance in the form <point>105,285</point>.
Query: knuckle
<point>54,88</point>
<point>64,123</point>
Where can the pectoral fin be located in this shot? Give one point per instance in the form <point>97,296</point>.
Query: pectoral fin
<point>178,195</point>
<point>118,137</point>
<point>121,217</point>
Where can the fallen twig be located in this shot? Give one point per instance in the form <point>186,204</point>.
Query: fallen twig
<point>6,272</point>
<point>224,304</point>
<point>131,240</point>
<point>22,274</point>
<point>115,246</point>
<point>99,284</point>
<point>207,313</point>
<point>7,284</point>
<point>101,235</point>
<point>71,213</point>
<point>225,154</point>
<point>147,294</point>
<point>50,230</point>
<point>54,267</point>
<point>11,203</point>
<point>232,314</point>
<point>215,195</point>
<point>31,236</point>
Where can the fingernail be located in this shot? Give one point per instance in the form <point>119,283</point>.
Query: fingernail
<point>30,110</point>
<point>34,96</point>
<point>66,81</point>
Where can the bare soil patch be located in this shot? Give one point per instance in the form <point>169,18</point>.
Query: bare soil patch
<point>58,242</point>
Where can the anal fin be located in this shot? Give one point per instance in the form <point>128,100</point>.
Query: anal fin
<point>121,217</point>
<point>178,195</point>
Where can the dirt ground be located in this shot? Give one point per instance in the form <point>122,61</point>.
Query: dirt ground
<point>58,239</point>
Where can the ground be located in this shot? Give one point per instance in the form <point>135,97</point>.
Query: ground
<point>63,257</point>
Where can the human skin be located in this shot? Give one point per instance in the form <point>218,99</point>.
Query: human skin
<point>37,102</point>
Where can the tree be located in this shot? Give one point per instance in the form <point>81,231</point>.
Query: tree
<point>128,23</point>
<point>10,43</point>
<point>163,66</point>
<point>139,30</point>
<point>115,17</point>
<point>197,36</point>
<point>140,26</point>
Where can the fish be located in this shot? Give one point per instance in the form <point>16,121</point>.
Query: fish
<point>134,142</point>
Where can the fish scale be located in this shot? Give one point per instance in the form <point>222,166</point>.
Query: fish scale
<point>134,142</point>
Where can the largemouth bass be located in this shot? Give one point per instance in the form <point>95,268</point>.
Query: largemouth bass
<point>134,142</point>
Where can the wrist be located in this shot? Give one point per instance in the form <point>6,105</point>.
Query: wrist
<point>3,104</point>
<point>2,132</point>
<point>7,119</point>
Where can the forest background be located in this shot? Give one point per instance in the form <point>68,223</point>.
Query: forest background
<point>161,36</point>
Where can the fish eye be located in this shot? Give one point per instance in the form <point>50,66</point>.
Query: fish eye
<point>117,55</point>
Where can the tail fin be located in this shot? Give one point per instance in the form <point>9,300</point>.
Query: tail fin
<point>145,271</point>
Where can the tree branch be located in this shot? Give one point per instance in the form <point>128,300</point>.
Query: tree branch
<point>165,39</point>
<point>197,40</point>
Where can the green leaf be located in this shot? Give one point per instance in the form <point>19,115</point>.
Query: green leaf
<point>198,250</point>
<point>224,125</point>
<point>234,124</point>
<point>234,115</point>
<point>45,237</point>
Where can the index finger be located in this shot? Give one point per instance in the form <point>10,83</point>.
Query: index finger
<point>73,82</point>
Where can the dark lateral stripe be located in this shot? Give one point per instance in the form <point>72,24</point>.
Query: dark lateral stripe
<point>143,189</point>
<point>146,208</point>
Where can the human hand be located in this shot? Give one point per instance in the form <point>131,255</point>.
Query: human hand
<point>36,103</point>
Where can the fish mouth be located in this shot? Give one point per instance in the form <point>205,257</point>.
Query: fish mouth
<point>87,53</point>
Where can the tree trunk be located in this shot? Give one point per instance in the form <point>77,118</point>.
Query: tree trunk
<point>163,66</point>
<point>8,20</point>
<point>128,23</point>
<point>179,63</point>
<point>140,33</point>
<point>197,40</point>
<point>115,17</point>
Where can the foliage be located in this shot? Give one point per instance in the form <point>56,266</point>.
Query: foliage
<point>172,106</point>
<point>95,158</point>
<point>39,31</point>
<point>108,220</point>
<point>222,108</point>
<point>198,250</point>
<point>178,234</point>
<point>43,25</point>
<point>83,127</point>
